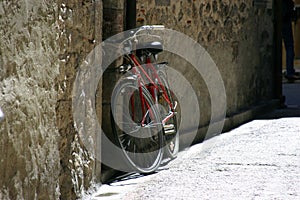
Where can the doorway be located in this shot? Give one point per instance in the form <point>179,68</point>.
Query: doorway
<point>291,89</point>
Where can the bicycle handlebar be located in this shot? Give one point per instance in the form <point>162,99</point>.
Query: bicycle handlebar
<point>152,27</point>
<point>149,27</point>
<point>135,32</point>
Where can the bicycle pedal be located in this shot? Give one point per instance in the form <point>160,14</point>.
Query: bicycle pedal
<point>170,132</point>
<point>169,129</point>
<point>169,126</point>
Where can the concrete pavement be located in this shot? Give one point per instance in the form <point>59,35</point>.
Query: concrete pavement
<point>258,160</point>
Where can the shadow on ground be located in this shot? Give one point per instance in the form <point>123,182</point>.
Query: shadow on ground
<point>291,92</point>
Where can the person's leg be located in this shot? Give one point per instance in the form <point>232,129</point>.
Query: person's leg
<point>288,40</point>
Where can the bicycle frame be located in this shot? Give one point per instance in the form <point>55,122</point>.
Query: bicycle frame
<point>143,130</point>
<point>154,83</point>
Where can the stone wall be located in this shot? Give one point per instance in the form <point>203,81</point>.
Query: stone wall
<point>113,23</point>
<point>238,37</point>
<point>80,30</point>
<point>29,135</point>
<point>42,46</point>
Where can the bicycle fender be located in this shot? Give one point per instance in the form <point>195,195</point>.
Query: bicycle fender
<point>130,78</point>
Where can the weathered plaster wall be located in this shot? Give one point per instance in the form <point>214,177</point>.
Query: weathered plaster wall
<point>42,45</point>
<point>29,135</point>
<point>80,30</point>
<point>237,36</point>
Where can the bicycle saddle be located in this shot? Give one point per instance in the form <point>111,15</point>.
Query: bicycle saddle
<point>152,47</point>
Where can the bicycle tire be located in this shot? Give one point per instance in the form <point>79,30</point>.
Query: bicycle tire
<point>141,144</point>
<point>171,132</point>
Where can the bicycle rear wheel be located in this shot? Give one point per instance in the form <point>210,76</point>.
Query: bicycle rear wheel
<point>171,132</point>
<point>137,127</point>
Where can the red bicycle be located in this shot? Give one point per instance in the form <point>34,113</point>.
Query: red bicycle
<point>144,113</point>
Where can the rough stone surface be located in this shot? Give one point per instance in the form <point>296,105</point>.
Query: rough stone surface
<point>237,35</point>
<point>113,23</point>
<point>29,135</point>
<point>42,45</point>
<point>80,31</point>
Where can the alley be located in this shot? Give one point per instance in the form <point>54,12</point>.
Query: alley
<point>259,160</point>
<point>59,69</point>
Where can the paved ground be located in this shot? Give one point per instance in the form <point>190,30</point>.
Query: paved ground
<point>258,160</point>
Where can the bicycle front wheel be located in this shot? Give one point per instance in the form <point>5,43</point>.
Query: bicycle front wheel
<point>137,127</point>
